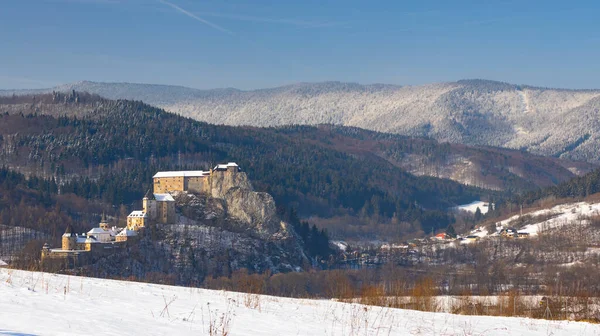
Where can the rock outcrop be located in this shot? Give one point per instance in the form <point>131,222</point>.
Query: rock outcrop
<point>257,211</point>
<point>237,222</point>
<point>222,182</point>
<point>254,211</point>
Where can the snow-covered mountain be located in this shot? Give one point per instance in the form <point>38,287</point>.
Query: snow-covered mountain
<point>557,122</point>
<point>48,304</point>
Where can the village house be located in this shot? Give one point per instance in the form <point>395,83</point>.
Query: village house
<point>442,236</point>
<point>470,239</point>
<point>508,232</point>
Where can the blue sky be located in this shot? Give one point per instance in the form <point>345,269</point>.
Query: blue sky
<point>257,44</point>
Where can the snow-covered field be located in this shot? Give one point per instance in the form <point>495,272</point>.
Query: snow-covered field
<point>556,216</point>
<point>472,207</point>
<point>45,304</point>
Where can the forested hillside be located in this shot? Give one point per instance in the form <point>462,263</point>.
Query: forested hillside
<point>31,211</point>
<point>551,122</point>
<point>108,150</point>
<point>577,188</point>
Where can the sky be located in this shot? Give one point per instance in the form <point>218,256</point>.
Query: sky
<point>268,43</point>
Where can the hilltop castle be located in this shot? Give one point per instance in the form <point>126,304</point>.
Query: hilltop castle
<point>157,208</point>
<point>195,181</point>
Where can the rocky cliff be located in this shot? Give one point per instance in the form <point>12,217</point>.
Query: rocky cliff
<point>257,210</point>
<point>236,223</point>
<point>254,211</point>
<point>223,181</point>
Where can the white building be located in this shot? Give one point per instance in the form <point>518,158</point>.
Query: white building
<point>99,234</point>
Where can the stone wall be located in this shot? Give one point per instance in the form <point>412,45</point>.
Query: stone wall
<point>163,185</point>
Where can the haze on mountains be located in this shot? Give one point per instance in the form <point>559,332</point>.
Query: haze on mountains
<point>552,122</point>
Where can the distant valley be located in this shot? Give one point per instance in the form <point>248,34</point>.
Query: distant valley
<point>551,122</point>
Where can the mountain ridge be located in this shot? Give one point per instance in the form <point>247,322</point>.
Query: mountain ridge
<point>550,122</point>
<point>469,81</point>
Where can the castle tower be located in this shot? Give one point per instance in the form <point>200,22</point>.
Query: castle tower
<point>104,223</point>
<point>149,205</point>
<point>45,251</point>
<point>69,239</point>
<point>145,201</point>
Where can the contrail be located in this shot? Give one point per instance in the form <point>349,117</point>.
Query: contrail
<point>294,22</point>
<point>195,17</point>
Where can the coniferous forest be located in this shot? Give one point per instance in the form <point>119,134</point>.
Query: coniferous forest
<point>107,151</point>
<point>350,181</point>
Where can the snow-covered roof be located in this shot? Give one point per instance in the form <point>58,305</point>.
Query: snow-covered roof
<point>3,263</point>
<point>164,197</point>
<point>225,166</point>
<point>98,231</point>
<point>69,232</point>
<point>137,213</point>
<point>127,232</point>
<point>342,245</point>
<point>57,250</point>
<point>189,173</point>
<point>393,246</point>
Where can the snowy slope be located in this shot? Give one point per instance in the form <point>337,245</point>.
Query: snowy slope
<point>44,304</point>
<point>557,216</point>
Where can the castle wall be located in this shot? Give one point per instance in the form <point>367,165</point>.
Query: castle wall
<point>69,243</point>
<point>66,259</point>
<point>85,253</point>
<point>150,208</point>
<point>163,185</point>
<point>164,213</point>
<point>199,184</point>
<point>133,223</point>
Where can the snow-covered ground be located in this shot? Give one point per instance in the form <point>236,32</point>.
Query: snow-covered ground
<point>472,207</point>
<point>556,216</point>
<point>340,245</point>
<point>45,304</point>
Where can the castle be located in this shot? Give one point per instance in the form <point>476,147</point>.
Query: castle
<point>195,181</point>
<point>77,249</point>
<point>157,208</point>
